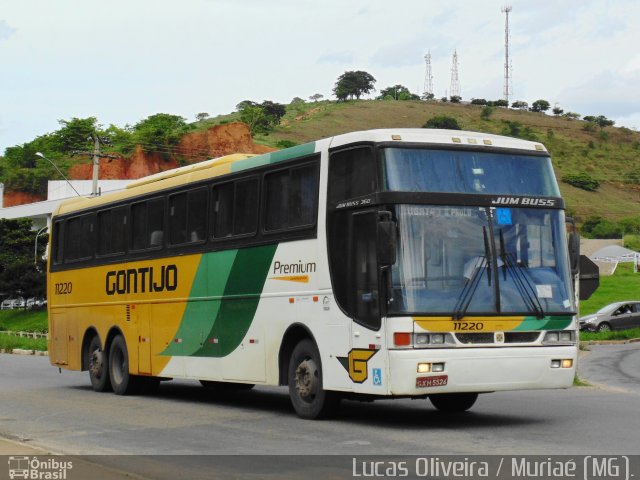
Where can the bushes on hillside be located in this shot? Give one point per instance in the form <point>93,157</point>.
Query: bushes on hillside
<point>442,121</point>
<point>581,180</point>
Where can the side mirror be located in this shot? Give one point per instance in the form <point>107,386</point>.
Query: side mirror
<point>573,241</point>
<point>387,241</point>
<point>574,252</point>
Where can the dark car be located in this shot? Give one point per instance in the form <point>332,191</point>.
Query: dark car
<point>615,316</point>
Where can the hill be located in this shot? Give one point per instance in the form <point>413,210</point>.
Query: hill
<point>606,156</point>
<point>610,155</point>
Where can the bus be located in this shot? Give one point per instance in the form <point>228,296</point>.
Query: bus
<point>379,264</point>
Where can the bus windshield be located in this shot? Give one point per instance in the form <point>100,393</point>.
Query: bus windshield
<point>461,260</point>
<point>464,171</point>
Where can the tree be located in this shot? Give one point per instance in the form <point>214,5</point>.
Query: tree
<point>160,132</point>
<point>478,101</point>
<point>571,115</point>
<point>498,103</point>
<point>76,133</point>
<point>442,121</point>
<point>557,111</point>
<point>353,84</point>
<point>21,275</point>
<point>261,118</point>
<point>540,106</point>
<point>316,96</point>
<point>202,116</point>
<point>455,99</point>
<point>428,96</point>
<point>520,105</point>
<point>397,92</point>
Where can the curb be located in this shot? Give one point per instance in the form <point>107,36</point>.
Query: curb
<point>21,351</point>
<point>609,342</point>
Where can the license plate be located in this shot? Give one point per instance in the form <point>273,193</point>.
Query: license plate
<point>437,381</point>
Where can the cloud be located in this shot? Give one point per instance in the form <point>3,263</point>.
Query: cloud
<point>340,58</point>
<point>613,93</point>
<point>5,30</point>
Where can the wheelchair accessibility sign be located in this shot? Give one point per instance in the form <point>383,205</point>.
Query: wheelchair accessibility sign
<point>377,376</point>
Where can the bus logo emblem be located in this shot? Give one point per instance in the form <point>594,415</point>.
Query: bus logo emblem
<point>356,364</point>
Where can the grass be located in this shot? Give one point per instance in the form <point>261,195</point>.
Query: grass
<point>609,155</point>
<point>9,342</point>
<point>24,320</point>
<point>614,335</point>
<point>624,284</point>
<point>578,382</point>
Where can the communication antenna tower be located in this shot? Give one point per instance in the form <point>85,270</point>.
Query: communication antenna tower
<point>507,90</point>
<point>455,80</point>
<point>428,76</point>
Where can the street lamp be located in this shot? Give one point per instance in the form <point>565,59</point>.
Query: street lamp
<point>41,155</point>
<point>35,255</point>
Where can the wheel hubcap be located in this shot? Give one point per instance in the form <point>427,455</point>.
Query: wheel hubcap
<point>307,379</point>
<point>96,363</point>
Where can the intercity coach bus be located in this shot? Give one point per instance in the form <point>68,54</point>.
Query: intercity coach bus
<point>378,264</point>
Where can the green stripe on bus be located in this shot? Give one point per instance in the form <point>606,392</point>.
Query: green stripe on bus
<point>199,315</point>
<point>274,157</point>
<point>238,307</point>
<point>215,328</point>
<point>559,322</point>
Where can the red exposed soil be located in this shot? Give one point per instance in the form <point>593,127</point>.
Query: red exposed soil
<point>194,147</point>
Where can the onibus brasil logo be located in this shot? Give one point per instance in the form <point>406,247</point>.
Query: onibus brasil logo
<point>36,469</point>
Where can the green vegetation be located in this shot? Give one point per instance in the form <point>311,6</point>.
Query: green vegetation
<point>581,180</point>
<point>624,284</point>
<point>578,382</point>
<point>9,342</point>
<point>353,85</point>
<point>442,121</point>
<point>24,320</point>
<point>615,335</point>
<point>21,275</point>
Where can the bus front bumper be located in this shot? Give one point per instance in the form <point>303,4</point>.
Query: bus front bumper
<point>480,369</point>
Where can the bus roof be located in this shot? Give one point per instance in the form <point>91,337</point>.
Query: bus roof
<point>437,137</point>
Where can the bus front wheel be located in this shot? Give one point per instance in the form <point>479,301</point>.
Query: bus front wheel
<point>453,402</point>
<point>98,366</point>
<point>308,398</point>
<point>122,381</point>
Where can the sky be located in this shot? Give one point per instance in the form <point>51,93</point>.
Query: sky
<point>124,60</point>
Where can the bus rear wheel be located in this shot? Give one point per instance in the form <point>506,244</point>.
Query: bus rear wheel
<point>98,366</point>
<point>453,402</point>
<point>308,397</point>
<point>122,381</point>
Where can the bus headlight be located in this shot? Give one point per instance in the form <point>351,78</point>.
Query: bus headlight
<point>560,337</point>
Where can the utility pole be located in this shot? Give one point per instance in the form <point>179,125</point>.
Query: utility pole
<point>96,155</point>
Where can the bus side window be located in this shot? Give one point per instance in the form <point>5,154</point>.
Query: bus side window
<point>352,174</point>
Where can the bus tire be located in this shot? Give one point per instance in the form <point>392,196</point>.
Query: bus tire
<point>122,381</point>
<point>453,402</point>
<point>98,365</point>
<point>308,398</point>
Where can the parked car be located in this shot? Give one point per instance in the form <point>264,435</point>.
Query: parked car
<point>615,316</point>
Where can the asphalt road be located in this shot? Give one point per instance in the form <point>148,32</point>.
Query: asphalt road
<point>60,413</point>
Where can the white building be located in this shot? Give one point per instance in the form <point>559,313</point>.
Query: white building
<point>58,190</point>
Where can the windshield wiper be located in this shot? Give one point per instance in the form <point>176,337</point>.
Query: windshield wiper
<point>521,279</point>
<point>482,264</point>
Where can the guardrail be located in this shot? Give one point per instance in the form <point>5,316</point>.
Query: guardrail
<point>25,334</point>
